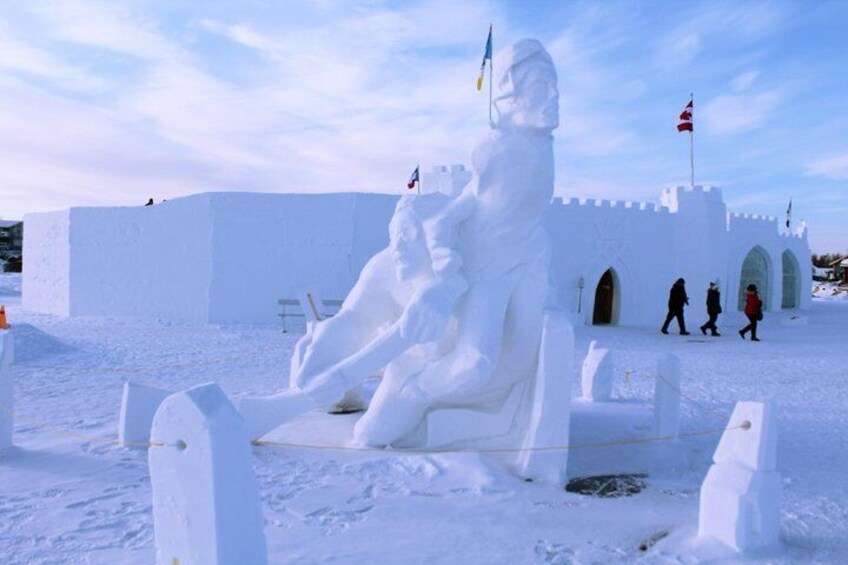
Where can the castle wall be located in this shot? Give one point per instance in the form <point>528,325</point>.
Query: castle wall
<point>47,274</point>
<point>228,257</point>
<point>591,236</point>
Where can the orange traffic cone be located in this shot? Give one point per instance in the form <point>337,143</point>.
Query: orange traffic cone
<point>3,324</point>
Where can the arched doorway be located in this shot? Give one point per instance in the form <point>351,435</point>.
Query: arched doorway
<point>791,278</point>
<point>755,270</point>
<point>605,299</point>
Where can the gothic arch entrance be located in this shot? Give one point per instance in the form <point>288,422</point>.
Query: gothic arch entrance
<point>755,270</point>
<point>606,299</point>
<point>791,278</point>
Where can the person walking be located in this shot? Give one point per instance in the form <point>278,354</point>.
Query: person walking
<point>754,311</point>
<point>713,310</point>
<point>677,299</point>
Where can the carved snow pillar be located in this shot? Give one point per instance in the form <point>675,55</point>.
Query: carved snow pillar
<point>7,419</point>
<point>206,508</point>
<point>740,498</point>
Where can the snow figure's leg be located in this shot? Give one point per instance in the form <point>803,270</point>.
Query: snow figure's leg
<point>395,411</point>
<point>399,406</point>
<point>523,323</point>
<point>480,334</point>
<point>263,414</point>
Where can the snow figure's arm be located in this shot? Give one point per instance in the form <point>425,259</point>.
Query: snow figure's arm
<point>426,317</point>
<point>365,312</point>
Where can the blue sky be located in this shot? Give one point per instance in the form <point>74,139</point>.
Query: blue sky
<point>110,103</point>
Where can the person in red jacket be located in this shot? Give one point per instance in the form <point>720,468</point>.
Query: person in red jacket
<point>754,311</point>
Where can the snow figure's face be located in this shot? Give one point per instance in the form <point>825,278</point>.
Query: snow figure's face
<point>530,98</point>
<point>537,98</point>
<point>409,250</point>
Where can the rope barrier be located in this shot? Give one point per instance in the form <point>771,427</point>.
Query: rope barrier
<point>682,394</point>
<point>111,440</point>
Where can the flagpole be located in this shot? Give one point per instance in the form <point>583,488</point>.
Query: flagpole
<point>491,71</point>
<point>692,142</point>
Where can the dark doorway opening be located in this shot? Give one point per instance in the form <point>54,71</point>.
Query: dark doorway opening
<point>604,297</point>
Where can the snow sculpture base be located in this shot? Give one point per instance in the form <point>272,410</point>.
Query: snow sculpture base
<point>597,374</point>
<point>206,505</point>
<point>138,407</point>
<point>551,414</point>
<point>667,396</point>
<point>7,356</point>
<point>740,498</point>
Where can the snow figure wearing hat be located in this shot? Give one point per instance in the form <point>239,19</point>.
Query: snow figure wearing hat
<point>504,248</point>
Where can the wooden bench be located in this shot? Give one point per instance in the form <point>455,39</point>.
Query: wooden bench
<point>294,308</point>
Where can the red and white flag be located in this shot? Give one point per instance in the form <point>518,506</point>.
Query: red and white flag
<point>685,123</point>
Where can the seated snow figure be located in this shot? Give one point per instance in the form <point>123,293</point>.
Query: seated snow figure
<point>396,314</point>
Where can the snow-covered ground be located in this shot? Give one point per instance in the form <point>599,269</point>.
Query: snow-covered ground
<point>69,496</point>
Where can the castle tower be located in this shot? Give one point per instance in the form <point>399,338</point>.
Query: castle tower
<point>701,240</point>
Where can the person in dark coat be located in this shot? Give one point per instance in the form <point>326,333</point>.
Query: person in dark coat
<point>713,310</point>
<point>677,299</point>
<point>754,311</point>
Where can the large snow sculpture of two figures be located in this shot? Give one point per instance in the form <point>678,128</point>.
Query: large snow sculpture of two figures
<point>452,311</point>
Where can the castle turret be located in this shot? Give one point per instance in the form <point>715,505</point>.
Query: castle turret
<point>701,239</point>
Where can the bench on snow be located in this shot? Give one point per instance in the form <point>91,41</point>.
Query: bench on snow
<point>308,306</point>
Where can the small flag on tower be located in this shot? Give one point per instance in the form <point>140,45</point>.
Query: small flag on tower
<point>413,178</point>
<point>685,123</point>
<point>789,214</point>
<point>487,56</point>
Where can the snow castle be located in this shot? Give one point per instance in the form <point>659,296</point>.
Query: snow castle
<point>228,257</point>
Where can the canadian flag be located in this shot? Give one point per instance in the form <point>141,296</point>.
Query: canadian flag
<point>685,123</point>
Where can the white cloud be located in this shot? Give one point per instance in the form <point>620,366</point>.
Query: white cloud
<point>835,167</point>
<point>744,81</point>
<point>734,114</point>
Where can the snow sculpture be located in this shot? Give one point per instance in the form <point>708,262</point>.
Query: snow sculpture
<point>452,312</point>
<point>550,418</point>
<point>596,377</point>
<point>740,497</point>
<point>667,396</point>
<point>138,407</point>
<point>7,419</point>
<point>206,505</point>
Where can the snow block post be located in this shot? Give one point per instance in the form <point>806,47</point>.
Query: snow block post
<point>138,407</point>
<point>206,508</point>
<point>667,396</point>
<point>551,413</point>
<point>740,498</point>
<point>597,373</point>
<point>7,419</point>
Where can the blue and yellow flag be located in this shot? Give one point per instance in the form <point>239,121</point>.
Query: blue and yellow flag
<point>487,56</point>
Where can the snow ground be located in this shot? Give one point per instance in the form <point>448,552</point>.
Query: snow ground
<point>71,499</point>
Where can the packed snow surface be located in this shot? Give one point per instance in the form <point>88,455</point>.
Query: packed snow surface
<point>69,495</point>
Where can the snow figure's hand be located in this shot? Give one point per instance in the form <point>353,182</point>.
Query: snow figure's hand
<point>327,387</point>
<point>426,317</point>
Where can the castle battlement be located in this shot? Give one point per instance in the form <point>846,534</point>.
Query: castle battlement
<point>622,204</point>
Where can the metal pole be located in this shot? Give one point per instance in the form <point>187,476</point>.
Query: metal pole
<point>692,142</point>
<point>491,71</point>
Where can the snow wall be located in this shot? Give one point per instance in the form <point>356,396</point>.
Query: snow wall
<point>228,257</point>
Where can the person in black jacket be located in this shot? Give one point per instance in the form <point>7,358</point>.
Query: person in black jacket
<point>677,299</point>
<point>713,310</point>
